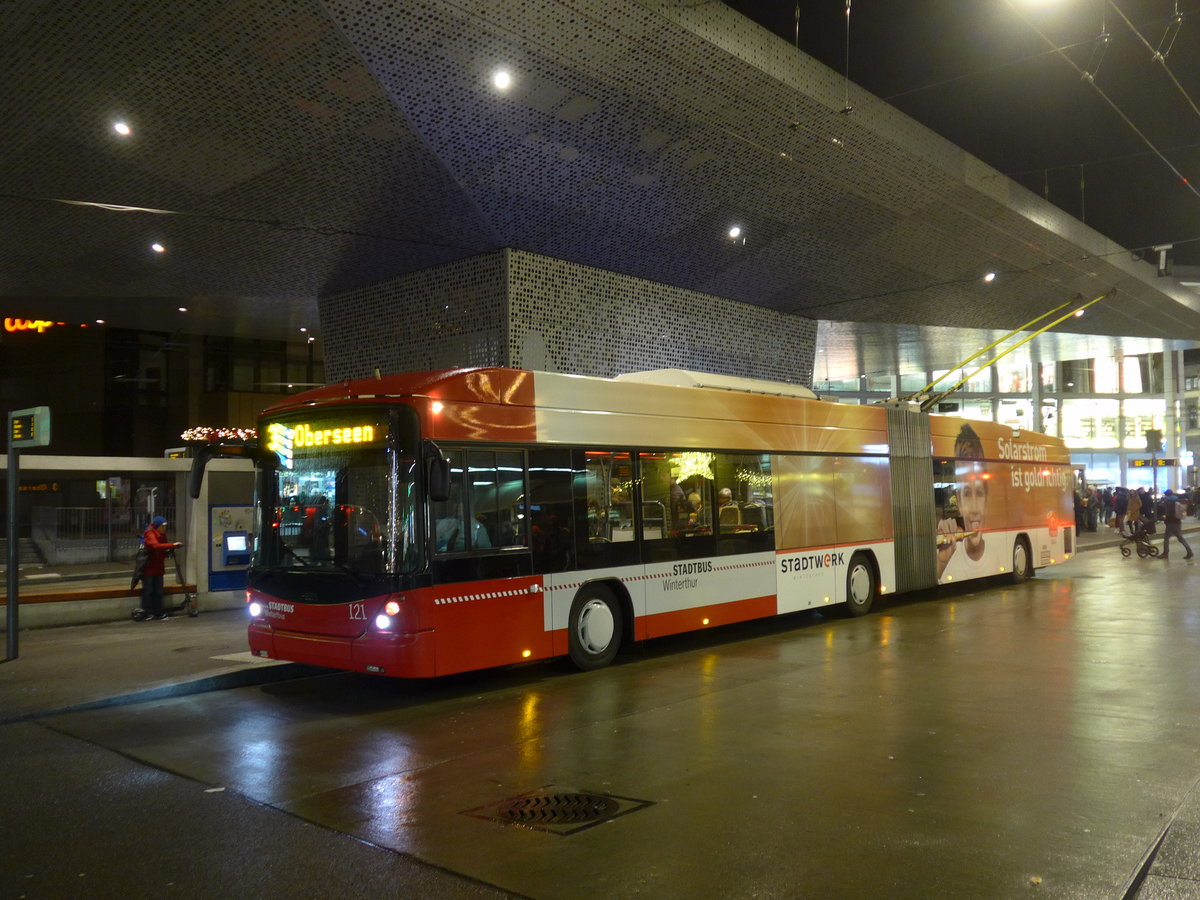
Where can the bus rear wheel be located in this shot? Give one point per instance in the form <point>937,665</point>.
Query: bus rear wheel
<point>594,628</point>
<point>862,587</point>
<point>1022,567</point>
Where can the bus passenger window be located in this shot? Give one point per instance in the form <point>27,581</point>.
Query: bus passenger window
<point>609,486</point>
<point>550,510</point>
<point>497,482</point>
<point>945,490</point>
<point>449,516</point>
<point>604,492</point>
<point>676,494</point>
<point>745,502</point>
<point>744,492</point>
<point>511,517</point>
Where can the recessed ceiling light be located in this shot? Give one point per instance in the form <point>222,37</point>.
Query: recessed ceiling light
<point>735,231</point>
<point>158,248</point>
<point>990,276</point>
<point>122,129</point>
<point>502,79</point>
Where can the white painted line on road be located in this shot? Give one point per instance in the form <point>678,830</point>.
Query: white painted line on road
<point>247,657</point>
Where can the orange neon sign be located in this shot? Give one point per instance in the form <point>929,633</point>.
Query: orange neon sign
<point>38,325</point>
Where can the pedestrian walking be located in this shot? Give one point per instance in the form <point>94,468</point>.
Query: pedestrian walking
<point>1173,512</point>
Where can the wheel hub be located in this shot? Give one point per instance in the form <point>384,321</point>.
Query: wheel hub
<point>596,626</point>
<point>860,584</point>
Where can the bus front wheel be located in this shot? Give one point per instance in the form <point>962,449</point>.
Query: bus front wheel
<point>861,585</point>
<point>594,628</point>
<point>1022,567</point>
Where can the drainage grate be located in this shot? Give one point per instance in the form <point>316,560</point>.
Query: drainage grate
<point>558,811</point>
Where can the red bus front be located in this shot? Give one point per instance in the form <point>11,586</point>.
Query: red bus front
<point>354,570</point>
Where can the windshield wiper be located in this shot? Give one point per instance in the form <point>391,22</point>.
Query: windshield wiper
<point>360,577</point>
<point>267,571</point>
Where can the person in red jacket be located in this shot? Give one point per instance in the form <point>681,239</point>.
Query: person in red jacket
<point>155,541</point>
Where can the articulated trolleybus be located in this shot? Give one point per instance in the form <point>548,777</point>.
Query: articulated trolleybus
<point>435,522</point>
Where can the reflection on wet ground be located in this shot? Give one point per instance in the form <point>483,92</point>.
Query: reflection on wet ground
<point>974,741</point>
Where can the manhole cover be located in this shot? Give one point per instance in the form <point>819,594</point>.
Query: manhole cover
<point>558,811</point>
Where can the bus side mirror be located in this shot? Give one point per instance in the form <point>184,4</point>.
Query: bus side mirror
<point>437,474</point>
<point>439,479</point>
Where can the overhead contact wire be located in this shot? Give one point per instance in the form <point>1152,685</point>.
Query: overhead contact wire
<point>1083,74</point>
<point>1158,56</point>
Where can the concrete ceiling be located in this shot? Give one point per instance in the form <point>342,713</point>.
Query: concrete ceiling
<point>288,152</point>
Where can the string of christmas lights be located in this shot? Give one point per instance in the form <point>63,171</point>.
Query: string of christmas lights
<point>203,434</point>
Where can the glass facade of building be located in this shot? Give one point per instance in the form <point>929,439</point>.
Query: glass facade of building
<point>1102,407</point>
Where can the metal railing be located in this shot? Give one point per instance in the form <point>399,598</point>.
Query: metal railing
<point>89,533</point>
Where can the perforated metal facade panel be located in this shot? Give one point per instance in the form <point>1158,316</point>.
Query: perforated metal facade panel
<point>524,310</point>
<point>444,317</point>
<point>565,317</point>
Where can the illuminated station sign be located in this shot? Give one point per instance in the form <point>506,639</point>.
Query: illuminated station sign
<point>29,427</point>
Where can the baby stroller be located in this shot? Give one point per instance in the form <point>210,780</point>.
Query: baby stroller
<point>1138,538</point>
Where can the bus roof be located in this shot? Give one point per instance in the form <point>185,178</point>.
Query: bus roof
<point>464,384</point>
<point>685,378</point>
<point>695,409</point>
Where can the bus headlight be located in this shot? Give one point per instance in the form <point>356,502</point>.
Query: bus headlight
<point>383,623</point>
<point>255,609</point>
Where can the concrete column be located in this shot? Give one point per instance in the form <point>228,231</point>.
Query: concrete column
<point>1172,379</point>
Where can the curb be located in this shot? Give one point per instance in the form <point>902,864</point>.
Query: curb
<point>241,678</point>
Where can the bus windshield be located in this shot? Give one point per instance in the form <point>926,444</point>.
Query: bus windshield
<point>339,492</point>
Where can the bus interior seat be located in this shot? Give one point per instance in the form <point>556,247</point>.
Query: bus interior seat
<point>752,514</point>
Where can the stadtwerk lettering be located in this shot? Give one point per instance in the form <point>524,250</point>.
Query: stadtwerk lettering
<point>819,561</point>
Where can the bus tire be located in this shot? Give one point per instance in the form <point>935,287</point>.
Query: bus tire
<point>1022,562</point>
<point>862,587</point>
<point>594,628</point>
